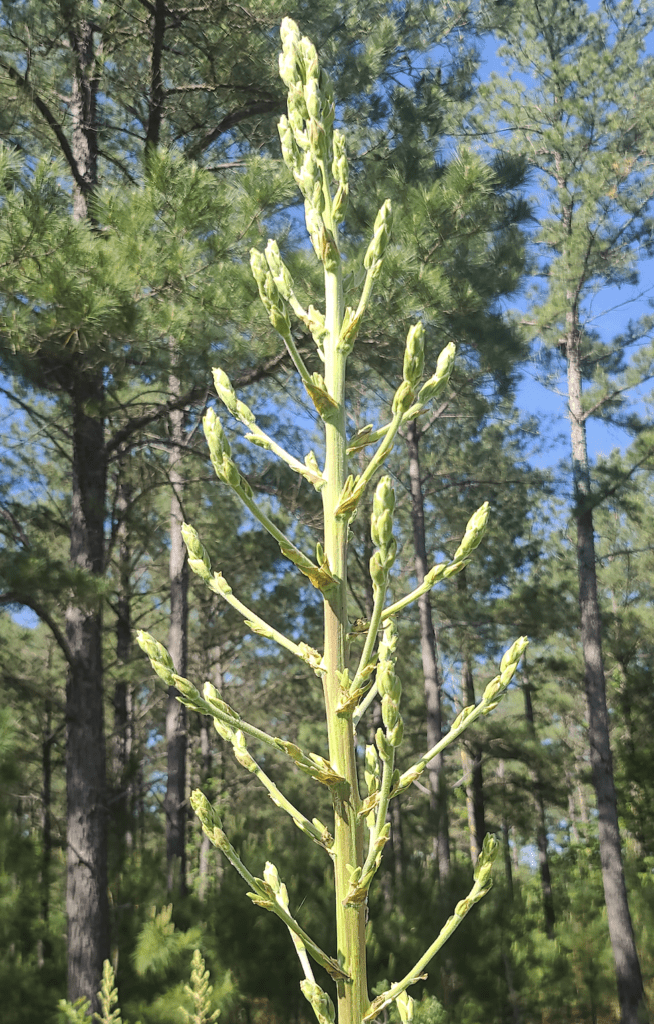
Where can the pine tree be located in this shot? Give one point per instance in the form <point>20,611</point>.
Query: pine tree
<point>577,103</point>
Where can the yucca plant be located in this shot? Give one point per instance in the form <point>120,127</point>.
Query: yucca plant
<point>315,153</point>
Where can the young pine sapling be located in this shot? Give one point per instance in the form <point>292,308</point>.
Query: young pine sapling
<point>315,153</point>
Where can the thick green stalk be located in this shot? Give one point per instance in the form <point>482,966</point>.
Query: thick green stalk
<point>348,828</point>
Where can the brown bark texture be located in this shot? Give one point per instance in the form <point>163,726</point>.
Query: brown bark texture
<point>628,974</point>
<point>86,835</point>
<point>541,828</point>
<point>175,804</point>
<point>86,888</point>
<point>432,680</point>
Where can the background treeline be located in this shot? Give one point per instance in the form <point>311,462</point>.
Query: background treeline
<point>140,164</point>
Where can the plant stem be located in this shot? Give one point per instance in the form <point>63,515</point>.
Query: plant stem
<point>348,828</point>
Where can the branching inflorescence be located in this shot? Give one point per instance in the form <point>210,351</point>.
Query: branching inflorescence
<point>315,153</point>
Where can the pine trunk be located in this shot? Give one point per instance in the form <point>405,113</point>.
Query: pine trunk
<point>123,725</point>
<point>629,978</point>
<point>432,682</point>
<point>86,892</point>
<point>471,759</point>
<point>541,828</point>
<point>176,739</point>
<point>86,808</point>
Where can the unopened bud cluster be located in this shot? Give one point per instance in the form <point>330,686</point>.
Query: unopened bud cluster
<point>475,530</point>
<point>381,531</point>
<point>508,665</point>
<point>310,147</point>
<point>390,690</point>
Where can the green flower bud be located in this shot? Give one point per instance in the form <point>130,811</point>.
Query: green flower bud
<point>313,98</point>
<point>403,397</point>
<point>390,713</point>
<point>215,435</point>
<point>224,390</point>
<point>271,876</point>
<point>438,382</point>
<point>475,530</point>
<point>514,653</point>
<point>160,659</point>
<point>198,559</point>
<point>380,238</point>
<point>404,1003</point>
<point>204,810</point>
<point>414,355</point>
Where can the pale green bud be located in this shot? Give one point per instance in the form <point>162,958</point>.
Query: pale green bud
<point>259,268</point>
<point>204,810</point>
<point>380,238</point>
<point>271,876</point>
<point>241,752</point>
<point>215,435</point>
<point>372,769</point>
<point>403,397</point>
<point>475,530</point>
<point>313,98</point>
<point>384,497</point>
<point>224,390</point>
<point>287,67</point>
<point>414,355</point>
<point>514,653</point>
<point>438,382</point>
<point>290,151</point>
<point>278,269</point>
<point>390,712</point>
<point>289,33</point>
<point>378,572</point>
<point>383,746</point>
<point>404,1003</point>
<point>320,1002</point>
<point>160,659</point>
<point>340,169</point>
<point>198,559</point>
<point>484,867</point>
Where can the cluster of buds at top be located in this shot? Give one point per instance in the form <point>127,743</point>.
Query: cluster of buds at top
<point>307,136</point>
<point>381,531</point>
<point>390,690</point>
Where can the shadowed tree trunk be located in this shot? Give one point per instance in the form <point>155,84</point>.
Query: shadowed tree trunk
<point>432,681</point>
<point>176,730</point>
<point>628,973</point>
<point>86,837</point>
<point>541,828</point>
<point>123,725</point>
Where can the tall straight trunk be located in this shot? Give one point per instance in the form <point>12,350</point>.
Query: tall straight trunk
<point>86,798</point>
<point>629,979</point>
<point>471,759</point>
<point>45,949</point>
<point>123,725</point>
<point>86,888</point>
<point>432,681</point>
<point>175,804</point>
<point>541,828</point>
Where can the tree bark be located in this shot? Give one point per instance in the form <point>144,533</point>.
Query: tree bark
<point>86,879</point>
<point>541,829</point>
<point>629,979</point>
<point>175,805</point>
<point>432,681</point>
<point>471,759</point>
<point>86,890</point>
<point>123,725</point>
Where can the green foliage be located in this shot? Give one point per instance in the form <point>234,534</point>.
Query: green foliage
<point>160,944</point>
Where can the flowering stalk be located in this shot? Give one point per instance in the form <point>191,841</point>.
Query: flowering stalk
<point>315,153</point>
